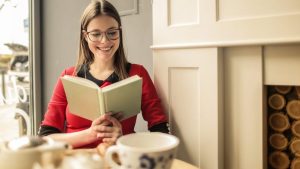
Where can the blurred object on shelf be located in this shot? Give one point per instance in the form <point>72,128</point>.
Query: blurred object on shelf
<point>15,47</point>
<point>13,53</point>
<point>4,59</point>
<point>25,142</point>
<point>19,63</point>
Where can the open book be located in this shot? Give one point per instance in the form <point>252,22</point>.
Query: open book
<point>86,99</point>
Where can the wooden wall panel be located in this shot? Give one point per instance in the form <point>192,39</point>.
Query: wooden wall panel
<point>243,100</point>
<point>247,9</point>
<point>282,64</point>
<point>184,98</point>
<point>225,23</point>
<point>188,82</point>
<point>177,17</point>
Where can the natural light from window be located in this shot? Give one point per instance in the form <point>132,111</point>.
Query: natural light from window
<point>14,68</point>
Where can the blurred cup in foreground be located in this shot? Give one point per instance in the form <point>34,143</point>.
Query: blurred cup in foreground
<point>23,152</point>
<point>143,150</point>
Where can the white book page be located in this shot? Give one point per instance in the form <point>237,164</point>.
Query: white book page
<point>121,83</point>
<point>81,80</point>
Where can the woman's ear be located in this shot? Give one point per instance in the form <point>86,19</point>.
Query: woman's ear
<point>84,34</point>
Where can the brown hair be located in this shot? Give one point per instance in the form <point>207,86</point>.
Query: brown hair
<point>85,56</point>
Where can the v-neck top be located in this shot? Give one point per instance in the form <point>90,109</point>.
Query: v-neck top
<point>85,73</point>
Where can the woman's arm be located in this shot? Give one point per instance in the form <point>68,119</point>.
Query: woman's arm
<point>161,127</point>
<point>105,128</point>
<point>152,109</point>
<point>76,139</point>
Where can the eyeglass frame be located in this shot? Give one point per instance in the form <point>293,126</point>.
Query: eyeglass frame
<point>104,32</point>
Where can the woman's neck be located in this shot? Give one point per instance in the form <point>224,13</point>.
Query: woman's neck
<point>101,70</point>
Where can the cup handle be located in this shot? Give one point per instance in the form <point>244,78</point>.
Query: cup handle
<point>108,157</point>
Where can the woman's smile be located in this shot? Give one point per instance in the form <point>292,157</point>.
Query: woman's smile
<point>105,51</point>
<point>104,48</point>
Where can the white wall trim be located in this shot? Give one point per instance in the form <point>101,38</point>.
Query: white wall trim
<point>227,43</point>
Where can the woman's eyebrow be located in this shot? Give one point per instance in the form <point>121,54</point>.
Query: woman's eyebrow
<point>98,30</point>
<point>113,27</point>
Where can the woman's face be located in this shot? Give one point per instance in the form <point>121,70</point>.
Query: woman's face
<point>103,37</point>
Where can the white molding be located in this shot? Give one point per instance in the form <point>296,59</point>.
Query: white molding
<point>228,43</point>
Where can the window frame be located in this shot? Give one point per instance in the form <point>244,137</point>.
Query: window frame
<point>35,98</point>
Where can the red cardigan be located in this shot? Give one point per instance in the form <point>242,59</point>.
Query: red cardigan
<point>58,112</point>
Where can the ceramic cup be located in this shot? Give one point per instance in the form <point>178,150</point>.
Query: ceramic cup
<point>25,158</point>
<point>143,151</point>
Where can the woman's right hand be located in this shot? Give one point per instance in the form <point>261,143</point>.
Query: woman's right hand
<point>105,128</point>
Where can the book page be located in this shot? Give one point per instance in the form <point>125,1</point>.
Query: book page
<point>121,83</point>
<point>82,99</point>
<point>124,97</point>
<point>80,80</point>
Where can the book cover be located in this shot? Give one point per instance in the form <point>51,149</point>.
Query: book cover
<point>86,99</point>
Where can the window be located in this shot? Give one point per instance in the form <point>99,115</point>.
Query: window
<point>17,77</point>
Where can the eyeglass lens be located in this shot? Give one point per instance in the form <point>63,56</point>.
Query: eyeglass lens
<point>110,34</point>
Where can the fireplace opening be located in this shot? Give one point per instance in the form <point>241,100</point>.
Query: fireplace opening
<point>283,127</point>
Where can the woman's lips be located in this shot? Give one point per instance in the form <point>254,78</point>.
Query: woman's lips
<point>104,48</point>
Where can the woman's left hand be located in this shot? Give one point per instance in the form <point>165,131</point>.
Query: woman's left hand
<point>110,133</point>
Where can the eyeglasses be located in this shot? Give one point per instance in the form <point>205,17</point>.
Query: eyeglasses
<point>111,34</point>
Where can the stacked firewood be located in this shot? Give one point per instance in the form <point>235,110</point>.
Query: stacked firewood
<point>284,127</point>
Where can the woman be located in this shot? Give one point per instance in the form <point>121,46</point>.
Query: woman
<point>101,59</point>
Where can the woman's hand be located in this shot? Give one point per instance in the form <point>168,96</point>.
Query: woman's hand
<point>107,128</point>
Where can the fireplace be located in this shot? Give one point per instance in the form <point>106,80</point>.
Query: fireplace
<point>225,105</point>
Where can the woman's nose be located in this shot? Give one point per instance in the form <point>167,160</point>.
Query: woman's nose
<point>104,38</point>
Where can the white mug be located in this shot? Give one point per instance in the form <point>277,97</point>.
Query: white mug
<point>143,151</point>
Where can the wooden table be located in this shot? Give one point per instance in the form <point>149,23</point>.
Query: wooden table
<point>179,164</point>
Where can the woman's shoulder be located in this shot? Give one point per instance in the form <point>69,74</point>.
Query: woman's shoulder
<point>140,70</point>
<point>136,68</point>
<point>69,71</point>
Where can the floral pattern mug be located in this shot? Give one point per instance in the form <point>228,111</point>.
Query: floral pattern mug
<point>143,151</point>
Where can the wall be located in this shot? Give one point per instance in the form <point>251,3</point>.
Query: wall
<point>60,36</point>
